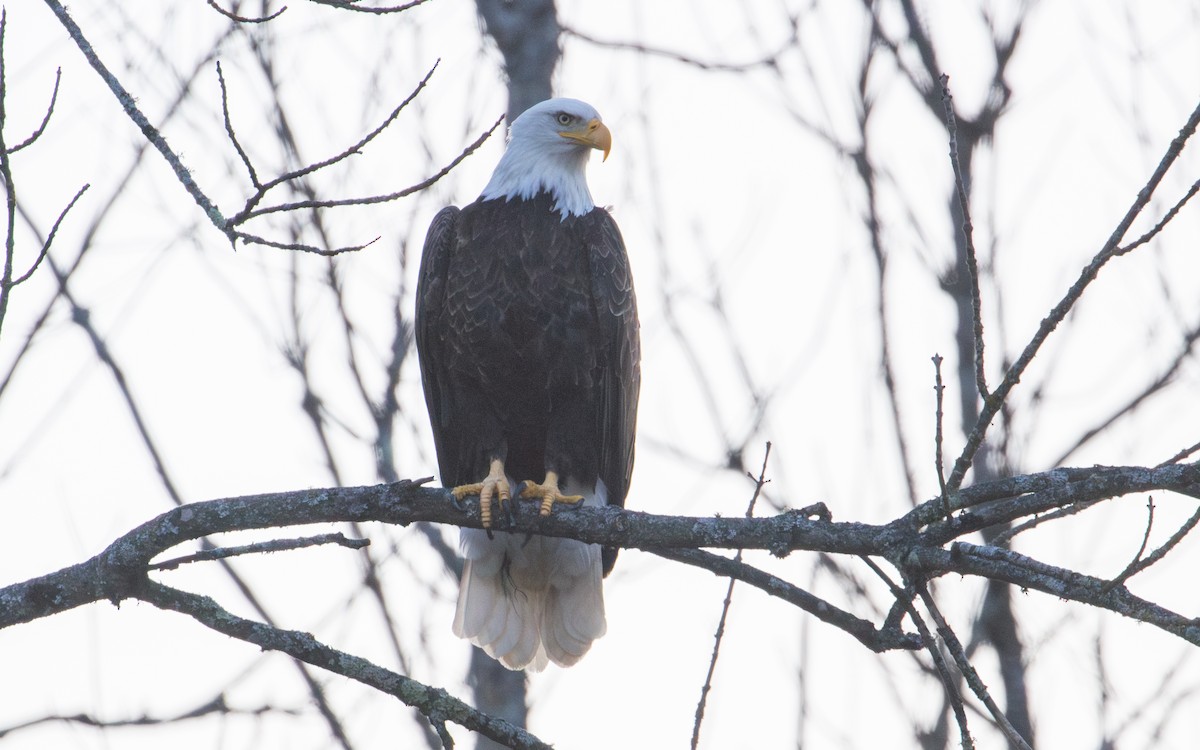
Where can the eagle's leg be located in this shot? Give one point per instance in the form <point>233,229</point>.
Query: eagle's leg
<point>549,493</point>
<point>494,484</point>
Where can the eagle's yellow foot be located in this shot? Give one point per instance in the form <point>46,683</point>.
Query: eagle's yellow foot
<point>549,493</point>
<point>495,484</point>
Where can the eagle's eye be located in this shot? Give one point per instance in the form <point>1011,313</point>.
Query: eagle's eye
<point>564,119</point>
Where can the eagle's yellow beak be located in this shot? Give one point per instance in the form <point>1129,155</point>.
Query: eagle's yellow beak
<point>595,134</point>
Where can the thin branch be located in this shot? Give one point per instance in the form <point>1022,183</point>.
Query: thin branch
<point>435,703</point>
<point>1162,223</point>
<point>218,706</point>
<point>720,634</point>
<point>380,10</point>
<point>1004,537</point>
<point>254,239</point>
<point>427,182</point>
<point>904,605</point>
<point>1132,567</point>
<point>968,230</point>
<point>49,238</point>
<point>82,317</point>
<point>876,639</point>
<point>769,60</point>
<point>1023,571</point>
<point>992,404</point>
<point>346,153</point>
<point>272,545</point>
<point>968,671</point>
<point>1139,563</point>
<point>243,19</point>
<point>237,145</point>
<point>10,190</point>
<point>939,389</point>
<point>1186,452</point>
<point>45,118</point>
<point>1158,385</point>
<point>129,105</point>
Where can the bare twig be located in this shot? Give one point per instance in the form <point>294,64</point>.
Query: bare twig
<point>49,238</point>
<point>1162,223</point>
<point>470,149</point>
<point>237,145</point>
<point>1111,248</point>
<point>41,128</point>
<point>904,604</point>
<point>769,60</point>
<point>720,634</point>
<point>244,19</point>
<point>343,155</point>
<point>435,703</point>
<point>271,545</point>
<point>968,671</point>
<point>939,389</point>
<point>868,176</point>
<point>254,239</point>
<point>378,10</point>
<point>129,105</point>
<point>1140,563</point>
<point>876,639</point>
<point>968,230</point>
<point>218,705</point>
<point>1185,453</point>
<point>10,191</point>
<point>1156,386</point>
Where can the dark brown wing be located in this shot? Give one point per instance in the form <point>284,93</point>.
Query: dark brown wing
<point>616,311</point>
<point>431,337</point>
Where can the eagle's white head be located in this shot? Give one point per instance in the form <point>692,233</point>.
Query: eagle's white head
<point>548,149</point>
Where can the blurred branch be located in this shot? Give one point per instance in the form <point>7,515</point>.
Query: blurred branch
<point>234,16</point>
<point>867,174</point>
<point>903,604</point>
<point>526,32</point>
<point>720,634</point>
<point>354,5</point>
<point>1156,386</point>
<point>218,705</point>
<point>954,646</point>
<point>435,704</point>
<point>768,60</point>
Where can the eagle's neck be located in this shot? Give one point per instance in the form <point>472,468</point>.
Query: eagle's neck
<point>530,167</point>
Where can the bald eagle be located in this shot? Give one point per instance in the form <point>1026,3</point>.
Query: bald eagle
<point>527,333</point>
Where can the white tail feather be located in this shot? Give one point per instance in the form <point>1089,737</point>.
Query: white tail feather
<point>527,602</point>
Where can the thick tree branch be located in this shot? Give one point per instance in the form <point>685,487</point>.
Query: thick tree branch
<point>116,573</point>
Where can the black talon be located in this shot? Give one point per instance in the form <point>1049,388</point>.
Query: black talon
<point>572,504</point>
